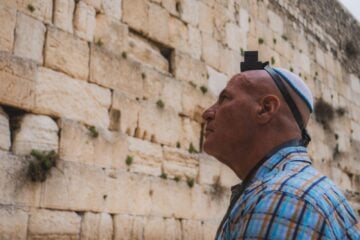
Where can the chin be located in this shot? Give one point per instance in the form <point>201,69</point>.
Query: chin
<point>209,148</point>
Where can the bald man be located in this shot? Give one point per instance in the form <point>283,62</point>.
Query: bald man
<point>253,130</point>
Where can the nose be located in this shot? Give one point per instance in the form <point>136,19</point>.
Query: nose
<point>209,113</point>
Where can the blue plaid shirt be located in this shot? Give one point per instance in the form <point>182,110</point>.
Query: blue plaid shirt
<point>289,199</point>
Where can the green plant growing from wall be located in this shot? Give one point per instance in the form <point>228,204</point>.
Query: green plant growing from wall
<point>272,60</point>
<point>260,40</point>
<point>93,132</point>
<point>99,43</point>
<point>284,37</point>
<point>177,178</point>
<point>192,149</point>
<point>30,7</point>
<point>190,182</point>
<point>163,175</point>
<point>203,89</point>
<point>40,166</point>
<point>160,104</point>
<point>178,145</point>
<point>129,160</point>
<point>124,55</point>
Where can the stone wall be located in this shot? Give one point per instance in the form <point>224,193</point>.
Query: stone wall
<point>114,91</point>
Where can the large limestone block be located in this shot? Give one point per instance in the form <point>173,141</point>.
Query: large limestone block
<point>74,186</point>
<point>112,8</point>
<point>194,39</point>
<point>227,177</point>
<point>171,94</point>
<point>243,19</point>
<point>172,6</point>
<point>189,11</point>
<point>158,23</point>
<point>191,133</point>
<point>145,52</point>
<point>211,51</point>
<point>5,140</point>
<point>235,37</point>
<point>29,38</point>
<point>162,228</point>
<point>210,228</point>
<point>35,132</point>
<point>47,223</point>
<point>96,226</point>
<point>192,229</point>
<point>355,83</point>
<point>108,149</point>
<point>178,34</point>
<point>111,35</point>
<point>67,53</point>
<point>206,15</point>
<point>135,14</point>
<point>128,193</point>
<point>39,9</point>
<point>16,187</point>
<point>13,223</point>
<point>217,81</point>
<point>60,95</point>
<point>128,227</point>
<point>84,21</point>
<point>275,22</point>
<point>97,4</point>
<point>146,157</point>
<point>179,163</point>
<point>8,20</point>
<point>115,72</point>
<point>160,125</point>
<point>17,80</point>
<point>209,169</point>
<point>129,112</point>
<point>188,69</point>
<point>230,60</point>
<point>63,14</point>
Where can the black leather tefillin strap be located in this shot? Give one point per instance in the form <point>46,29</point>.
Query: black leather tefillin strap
<point>251,63</point>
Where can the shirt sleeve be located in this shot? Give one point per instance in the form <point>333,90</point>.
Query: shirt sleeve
<point>278,215</point>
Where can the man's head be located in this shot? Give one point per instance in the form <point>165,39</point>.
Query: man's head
<point>250,114</point>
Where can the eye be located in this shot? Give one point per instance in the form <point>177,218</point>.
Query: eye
<point>222,98</point>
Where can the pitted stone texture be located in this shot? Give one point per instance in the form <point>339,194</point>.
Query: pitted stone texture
<point>191,229</point>
<point>60,95</point>
<point>48,223</point>
<point>227,177</point>
<point>16,188</point>
<point>39,9</point>
<point>35,133</point>
<point>217,81</point>
<point>275,22</point>
<point>84,21</point>
<point>158,23</point>
<point>97,4</point>
<point>206,18</point>
<point>115,72</point>
<point>29,38</point>
<point>112,8</point>
<point>235,37</point>
<point>128,227</point>
<point>229,63</point>
<point>145,52</point>
<point>67,53</point>
<point>135,14</point>
<point>209,169</point>
<point>111,35</point>
<point>178,34</point>
<point>160,228</point>
<point>8,21</point>
<point>108,149</point>
<point>189,11</point>
<point>13,223</point>
<point>243,19</point>
<point>5,140</point>
<point>96,226</point>
<point>63,14</point>
<point>211,50</point>
<point>194,39</point>
<point>191,133</point>
<point>179,163</point>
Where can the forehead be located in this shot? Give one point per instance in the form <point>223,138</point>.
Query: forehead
<point>237,82</point>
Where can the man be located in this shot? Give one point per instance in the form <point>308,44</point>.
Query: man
<point>257,128</point>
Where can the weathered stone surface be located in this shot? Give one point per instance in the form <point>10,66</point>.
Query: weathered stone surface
<point>235,37</point>
<point>5,141</point>
<point>160,228</point>
<point>178,34</point>
<point>128,227</point>
<point>205,18</point>
<point>84,21</point>
<point>8,20</point>
<point>227,177</point>
<point>13,223</point>
<point>60,95</point>
<point>29,38</point>
<point>355,83</point>
<point>191,229</point>
<point>171,93</point>
<point>35,132</point>
<point>17,78</point>
<point>108,149</point>
<point>16,187</point>
<point>115,72</point>
<point>135,13</point>
<point>67,53</point>
<point>111,35</point>
<point>189,11</point>
<point>158,23</point>
<point>194,39</point>
<point>179,163</point>
<point>210,228</point>
<point>39,9</point>
<point>275,22</point>
<point>229,63</point>
<point>112,8</point>
<point>63,14</point>
<point>96,226</point>
<point>97,4</point>
<point>191,133</point>
<point>47,223</point>
<point>243,19</point>
<point>217,81</point>
<point>188,69</point>
<point>210,51</point>
<point>147,53</point>
<point>209,169</point>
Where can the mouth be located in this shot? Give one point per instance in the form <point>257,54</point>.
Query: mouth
<point>208,131</point>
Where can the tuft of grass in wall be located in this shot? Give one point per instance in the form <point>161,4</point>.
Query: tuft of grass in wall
<point>284,37</point>
<point>260,40</point>
<point>143,75</point>
<point>203,89</point>
<point>274,40</point>
<point>160,104</point>
<point>291,69</point>
<point>340,111</point>
<point>177,178</point>
<point>217,191</point>
<point>41,165</point>
<point>124,55</point>
<point>190,182</point>
<point>324,113</point>
<point>30,7</point>
<point>178,145</point>
<point>242,51</point>
<point>272,60</point>
<point>129,160</point>
<point>192,149</point>
<point>99,43</point>
<point>93,132</point>
<point>192,84</point>
<point>163,175</point>
<point>249,19</point>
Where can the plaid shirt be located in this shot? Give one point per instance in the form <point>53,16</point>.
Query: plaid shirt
<point>288,199</point>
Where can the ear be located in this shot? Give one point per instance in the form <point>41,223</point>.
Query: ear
<point>268,107</point>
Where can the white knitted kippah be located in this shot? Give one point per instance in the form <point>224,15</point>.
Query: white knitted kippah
<point>298,85</point>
